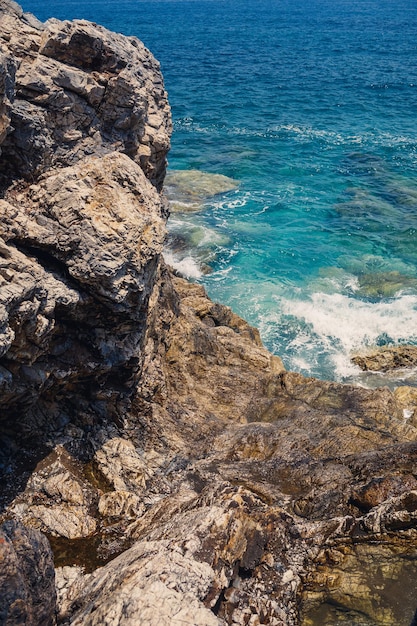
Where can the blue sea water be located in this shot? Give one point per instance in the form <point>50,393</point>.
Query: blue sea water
<point>311,105</point>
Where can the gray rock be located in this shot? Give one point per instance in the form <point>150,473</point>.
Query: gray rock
<point>27,578</point>
<point>151,583</point>
<point>7,78</point>
<point>80,90</point>
<point>80,253</point>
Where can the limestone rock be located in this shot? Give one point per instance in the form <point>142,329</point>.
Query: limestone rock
<point>80,90</point>
<point>64,579</point>
<point>120,463</point>
<point>181,473</point>
<point>7,78</point>
<point>150,582</point>
<point>80,253</point>
<point>27,580</point>
<point>57,499</point>
<point>121,504</point>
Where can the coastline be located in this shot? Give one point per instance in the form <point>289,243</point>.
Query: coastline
<point>178,470</point>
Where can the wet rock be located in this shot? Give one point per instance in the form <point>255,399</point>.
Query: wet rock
<point>354,585</point>
<point>188,189</point>
<point>387,358</point>
<point>27,578</point>
<point>385,284</point>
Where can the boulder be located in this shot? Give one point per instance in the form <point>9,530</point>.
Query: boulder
<point>79,90</point>
<point>27,577</point>
<point>387,358</point>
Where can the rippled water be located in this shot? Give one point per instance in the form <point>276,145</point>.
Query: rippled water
<point>311,107</point>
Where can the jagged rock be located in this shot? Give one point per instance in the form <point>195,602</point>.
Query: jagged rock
<point>81,90</point>
<point>150,580</point>
<point>64,579</point>
<point>407,398</point>
<point>205,548</point>
<point>139,417</point>
<point>7,78</point>
<point>387,358</point>
<point>58,499</point>
<point>120,463</point>
<point>27,580</point>
<point>79,258</point>
<point>121,504</point>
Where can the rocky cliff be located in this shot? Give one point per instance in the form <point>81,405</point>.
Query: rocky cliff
<point>179,473</point>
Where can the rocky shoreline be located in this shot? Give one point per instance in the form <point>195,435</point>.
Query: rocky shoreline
<point>158,464</point>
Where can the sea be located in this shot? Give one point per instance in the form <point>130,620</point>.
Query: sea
<point>293,168</point>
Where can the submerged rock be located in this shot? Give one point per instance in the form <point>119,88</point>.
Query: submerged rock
<point>188,189</point>
<point>181,474</point>
<point>385,284</point>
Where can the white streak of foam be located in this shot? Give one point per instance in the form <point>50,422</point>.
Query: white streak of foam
<point>344,325</point>
<point>186,266</point>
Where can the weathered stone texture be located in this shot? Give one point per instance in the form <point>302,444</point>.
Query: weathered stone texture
<point>387,358</point>
<point>79,256</point>
<point>180,473</point>
<point>80,90</point>
<point>27,578</point>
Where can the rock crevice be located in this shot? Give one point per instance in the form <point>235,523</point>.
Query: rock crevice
<point>179,472</point>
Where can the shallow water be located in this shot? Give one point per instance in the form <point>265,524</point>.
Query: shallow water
<point>311,106</point>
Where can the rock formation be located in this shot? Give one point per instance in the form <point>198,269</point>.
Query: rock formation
<point>387,358</point>
<point>180,474</point>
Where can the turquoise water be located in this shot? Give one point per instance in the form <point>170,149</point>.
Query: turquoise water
<point>311,107</point>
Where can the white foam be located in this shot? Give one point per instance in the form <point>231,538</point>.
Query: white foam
<point>186,266</point>
<point>341,325</point>
<point>354,322</point>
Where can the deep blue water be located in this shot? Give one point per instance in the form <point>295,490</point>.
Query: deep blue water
<point>311,105</point>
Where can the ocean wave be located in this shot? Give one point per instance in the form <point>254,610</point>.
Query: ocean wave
<point>303,134</point>
<point>341,325</point>
<point>187,266</point>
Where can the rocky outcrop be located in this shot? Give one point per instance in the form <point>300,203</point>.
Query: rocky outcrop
<point>387,358</point>
<point>179,472</point>
<point>27,581</point>
<point>81,235</point>
<point>78,90</point>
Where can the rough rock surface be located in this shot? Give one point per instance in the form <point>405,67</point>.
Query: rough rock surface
<point>387,358</point>
<point>179,472</point>
<point>27,580</point>
<point>77,90</point>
